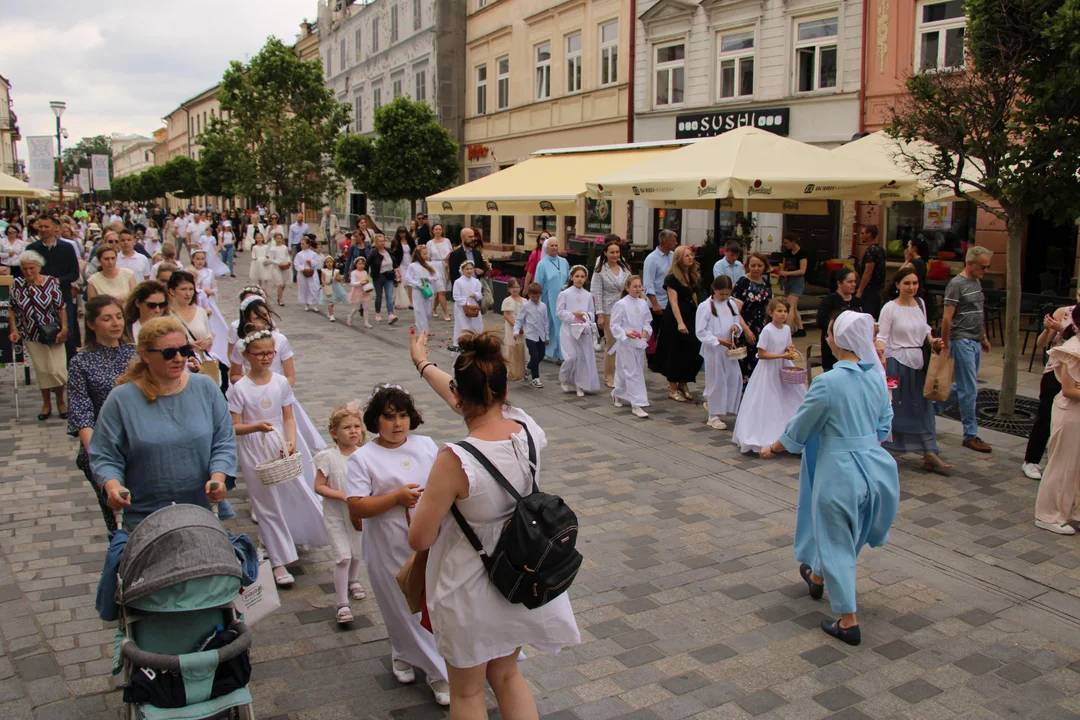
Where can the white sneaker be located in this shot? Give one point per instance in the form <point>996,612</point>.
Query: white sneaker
<point>331,319</point>
<point>716,423</point>
<point>617,401</point>
<point>441,688</point>
<point>566,388</point>
<point>404,672</point>
<point>580,392</point>
<point>1032,471</point>
<point>536,383</point>
<point>1059,529</point>
<point>640,412</point>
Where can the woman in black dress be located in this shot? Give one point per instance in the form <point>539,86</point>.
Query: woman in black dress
<point>842,283</point>
<point>678,341</point>
<point>754,290</point>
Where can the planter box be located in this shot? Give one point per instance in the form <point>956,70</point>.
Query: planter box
<point>499,292</point>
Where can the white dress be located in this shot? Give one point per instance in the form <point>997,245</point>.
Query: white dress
<point>465,288</point>
<point>206,283</point>
<point>769,402</point>
<point>473,623</point>
<point>151,243</point>
<point>415,275</point>
<point>279,254</point>
<point>344,539</point>
<point>723,376</point>
<point>629,314</point>
<point>213,260</point>
<point>289,513</point>
<point>437,255</point>
<point>374,470</point>
<point>576,339</point>
<point>262,269</point>
<point>307,288</point>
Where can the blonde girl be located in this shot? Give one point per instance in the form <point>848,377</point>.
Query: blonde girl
<point>513,347</point>
<point>280,265</point>
<point>331,291</point>
<point>361,292</point>
<point>347,430</point>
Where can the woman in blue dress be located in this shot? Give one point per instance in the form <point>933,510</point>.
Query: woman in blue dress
<point>552,273</point>
<point>849,487</point>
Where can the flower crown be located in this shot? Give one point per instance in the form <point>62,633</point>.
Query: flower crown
<point>249,301</point>
<point>379,387</point>
<point>461,268</point>
<point>245,343</point>
<point>251,290</point>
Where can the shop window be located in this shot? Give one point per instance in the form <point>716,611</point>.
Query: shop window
<point>946,227</point>
<point>475,173</point>
<point>669,74</point>
<point>666,219</point>
<point>503,82</point>
<point>609,52</point>
<point>940,35</point>
<point>543,71</point>
<point>543,222</point>
<point>573,63</point>
<point>736,71</point>
<point>816,54</point>
<point>481,90</point>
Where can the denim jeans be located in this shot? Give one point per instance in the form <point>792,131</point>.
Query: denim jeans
<point>384,283</point>
<point>227,257</point>
<point>536,354</point>
<point>967,356</point>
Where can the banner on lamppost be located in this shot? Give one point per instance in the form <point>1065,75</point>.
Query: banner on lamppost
<point>42,164</point>
<point>84,180</point>
<point>101,171</point>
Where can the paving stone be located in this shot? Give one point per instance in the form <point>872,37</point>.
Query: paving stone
<point>823,655</point>
<point>634,638</point>
<point>760,702</point>
<point>713,653</point>
<point>896,649</point>
<point>977,664</point>
<point>850,713</point>
<point>741,592</point>
<point>976,617</point>
<point>776,613</point>
<point>912,622</point>
<point>682,684</point>
<point>608,628</point>
<point>837,698</point>
<point>1018,673</point>
<point>639,656</point>
<point>915,691</point>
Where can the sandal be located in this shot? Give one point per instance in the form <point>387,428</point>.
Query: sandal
<point>344,615</point>
<point>677,397</point>
<point>937,465</point>
<point>284,579</point>
<point>357,591</point>
<point>686,394</point>
<point>817,590</point>
<point>851,635</point>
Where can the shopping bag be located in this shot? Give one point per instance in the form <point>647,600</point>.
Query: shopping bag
<point>487,297</point>
<point>260,598</point>
<point>516,367</point>
<point>939,378</point>
<point>411,580</point>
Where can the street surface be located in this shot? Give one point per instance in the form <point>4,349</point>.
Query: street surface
<point>689,601</point>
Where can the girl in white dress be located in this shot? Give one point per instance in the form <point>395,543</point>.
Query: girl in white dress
<point>467,291</point>
<point>234,326</point>
<point>347,429</point>
<point>385,480</point>
<point>308,261</point>
<point>361,292</point>
<point>769,402</point>
<point>213,261</point>
<point>207,289</point>
<point>331,279</point>
<point>279,257</point>
<point>290,512</point>
<point>262,269</point>
<point>420,273</point>
<point>576,311</point>
<point>719,321</point>
<point>439,249</point>
<point>630,325</point>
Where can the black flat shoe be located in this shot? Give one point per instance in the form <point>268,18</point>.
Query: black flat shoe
<point>850,635</point>
<point>63,415</point>
<point>816,589</point>
<point>44,416</point>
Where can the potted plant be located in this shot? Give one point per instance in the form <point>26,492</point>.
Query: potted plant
<point>500,290</point>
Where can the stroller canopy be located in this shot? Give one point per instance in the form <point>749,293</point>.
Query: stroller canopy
<point>175,553</point>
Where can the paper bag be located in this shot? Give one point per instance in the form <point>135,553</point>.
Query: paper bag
<point>260,598</point>
<point>411,580</point>
<point>516,367</point>
<point>939,377</point>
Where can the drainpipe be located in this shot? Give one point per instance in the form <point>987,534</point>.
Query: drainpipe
<point>630,110</point>
<point>862,107</point>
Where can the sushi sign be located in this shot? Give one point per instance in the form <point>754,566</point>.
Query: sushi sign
<point>698,125</point>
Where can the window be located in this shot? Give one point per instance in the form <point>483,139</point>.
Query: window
<point>503,82</point>
<point>543,71</point>
<point>204,119</point>
<point>376,99</point>
<point>341,61</point>
<point>669,73</point>
<point>481,4</point>
<point>815,54</point>
<point>481,90</point>
<point>573,63</point>
<point>416,15</point>
<point>358,111</point>
<point>609,52</point>
<point>329,62</point>
<point>421,86</point>
<point>396,87</point>
<point>359,36</point>
<point>374,35</point>
<point>940,35</point>
<point>393,23</point>
<point>544,222</point>
<point>736,64</point>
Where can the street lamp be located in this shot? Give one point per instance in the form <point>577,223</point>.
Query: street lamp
<point>58,110</point>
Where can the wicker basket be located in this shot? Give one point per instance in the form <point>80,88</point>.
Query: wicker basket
<point>738,352</point>
<point>793,374</point>
<point>276,469</point>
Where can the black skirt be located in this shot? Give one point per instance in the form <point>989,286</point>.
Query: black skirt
<point>680,353</point>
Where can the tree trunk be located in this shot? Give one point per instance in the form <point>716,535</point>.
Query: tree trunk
<point>412,203</point>
<point>1007,399</point>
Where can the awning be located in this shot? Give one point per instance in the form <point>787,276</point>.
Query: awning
<point>541,185</point>
<point>782,207</point>
<point>11,186</point>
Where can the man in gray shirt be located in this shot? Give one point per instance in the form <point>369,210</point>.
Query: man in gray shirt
<point>963,330</point>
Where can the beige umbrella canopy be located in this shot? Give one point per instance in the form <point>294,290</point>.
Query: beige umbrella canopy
<point>748,163</point>
<point>11,186</point>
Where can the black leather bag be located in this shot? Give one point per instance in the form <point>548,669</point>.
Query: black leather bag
<point>536,558</point>
<point>48,333</point>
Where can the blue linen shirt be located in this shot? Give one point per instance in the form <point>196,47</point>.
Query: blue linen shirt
<point>656,269</point>
<point>297,233</point>
<point>532,320</point>
<point>163,451</point>
<point>734,271</point>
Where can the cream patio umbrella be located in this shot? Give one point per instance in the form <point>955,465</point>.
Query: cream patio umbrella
<point>11,186</point>
<point>752,164</point>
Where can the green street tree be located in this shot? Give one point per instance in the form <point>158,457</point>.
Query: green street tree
<point>151,184</point>
<point>1007,129</point>
<point>282,125</point>
<point>123,187</point>
<point>411,157</point>
<point>179,176</point>
<point>78,156</point>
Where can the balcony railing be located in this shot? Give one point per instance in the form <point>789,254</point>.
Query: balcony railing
<point>17,169</point>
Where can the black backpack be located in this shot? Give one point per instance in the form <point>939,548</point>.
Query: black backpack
<point>536,557</point>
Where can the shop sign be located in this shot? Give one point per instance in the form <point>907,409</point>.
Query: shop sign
<point>476,152</point>
<point>711,124</point>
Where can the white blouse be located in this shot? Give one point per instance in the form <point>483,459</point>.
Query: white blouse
<point>903,330</point>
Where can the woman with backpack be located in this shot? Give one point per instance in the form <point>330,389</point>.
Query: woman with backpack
<point>478,631</point>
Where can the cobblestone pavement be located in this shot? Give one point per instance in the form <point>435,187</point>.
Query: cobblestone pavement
<point>689,601</point>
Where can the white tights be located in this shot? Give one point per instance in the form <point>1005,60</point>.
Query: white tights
<point>345,572</point>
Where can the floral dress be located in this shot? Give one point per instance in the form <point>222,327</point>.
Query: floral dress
<point>755,297</point>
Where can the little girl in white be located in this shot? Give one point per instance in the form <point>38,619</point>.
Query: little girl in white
<point>719,319</point>
<point>467,291</point>
<point>360,292</point>
<point>289,513</point>
<point>421,276</point>
<point>207,290</point>
<point>347,429</point>
<point>576,311</point>
<point>331,291</point>
<point>769,402</point>
<point>307,261</point>
<point>514,347</point>
<point>630,325</point>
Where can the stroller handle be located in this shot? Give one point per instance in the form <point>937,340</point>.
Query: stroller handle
<point>156,661</point>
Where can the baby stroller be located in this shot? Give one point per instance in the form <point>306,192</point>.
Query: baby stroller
<point>183,649</point>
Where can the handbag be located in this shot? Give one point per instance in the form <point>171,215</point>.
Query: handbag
<point>327,290</point>
<point>411,576</point>
<point>48,332</point>
<point>208,367</point>
<point>926,347</point>
<point>487,298</point>
<point>425,289</point>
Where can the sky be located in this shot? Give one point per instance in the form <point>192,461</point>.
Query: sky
<point>121,65</point>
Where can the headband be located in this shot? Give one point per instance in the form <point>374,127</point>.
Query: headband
<point>379,387</point>
<point>353,406</point>
<point>461,267</point>
<point>252,290</point>
<point>574,269</point>
<point>246,302</point>
<point>252,337</point>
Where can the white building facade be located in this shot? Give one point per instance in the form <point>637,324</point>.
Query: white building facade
<point>789,66</point>
<point>131,154</point>
<point>9,134</point>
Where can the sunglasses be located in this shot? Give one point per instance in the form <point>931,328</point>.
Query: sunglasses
<point>170,353</point>
<point>156,306</point>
